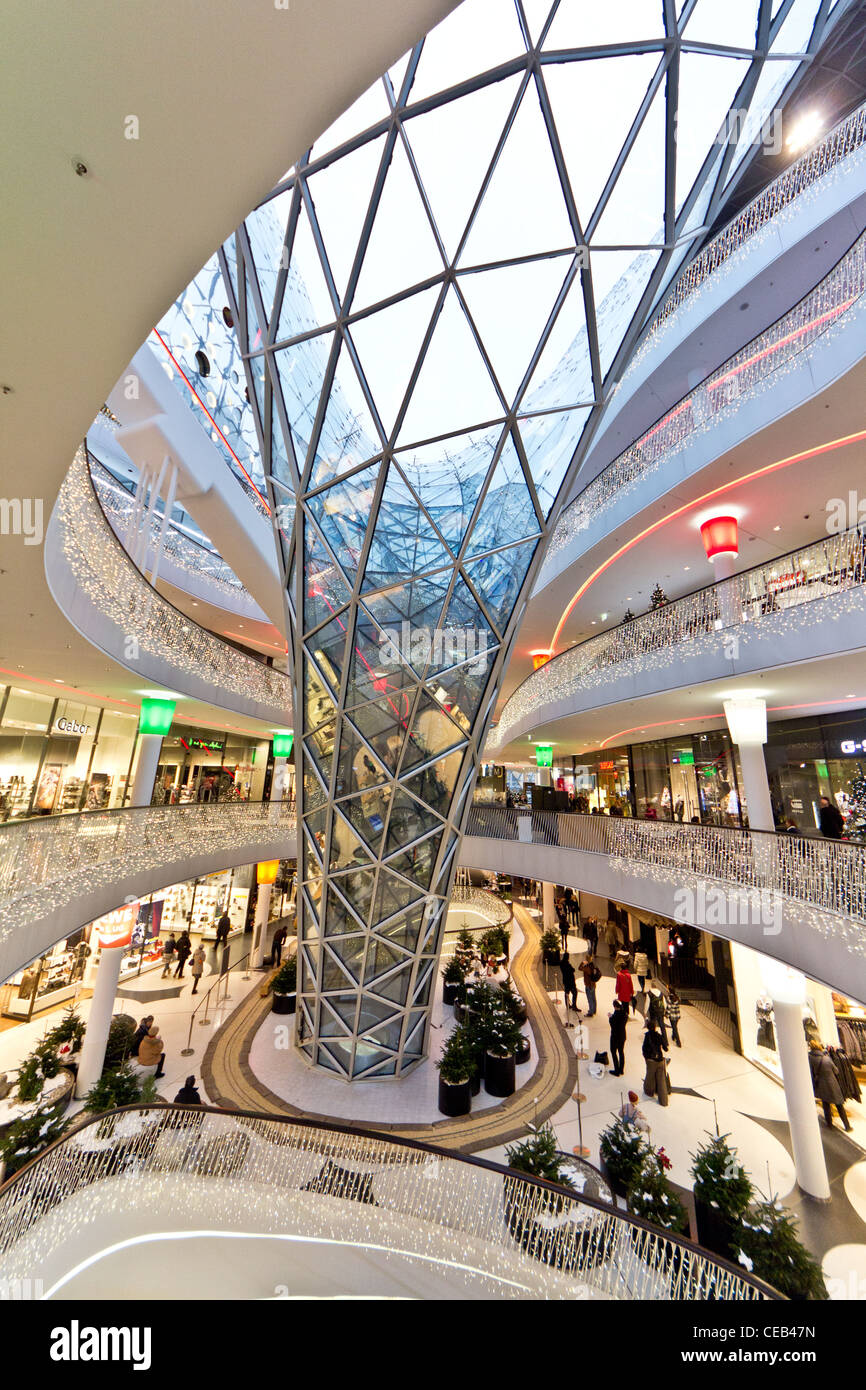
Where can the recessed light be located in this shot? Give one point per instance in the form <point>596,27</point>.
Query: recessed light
<point>686,568</point>
<point>57,680</point>
<point>777,528</point>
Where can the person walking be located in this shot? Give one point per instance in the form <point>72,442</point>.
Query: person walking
<point>830,820</point>
<point>825,1084</point>
<point>641,967</point>
<point>656,1079</point>
<point>184,947</point>
<point>188,1093</point>
<point>569,981</point>
<point>224,926</point>
<point>277,945</point>
<point>674,1015</point>
<point>624,988</point>
<point>591,934</point>
<point>656,1011</point>
<point>196,966</point>
<point>591,976</point>
<point>151,1053</point>
<point>618,1018</point>
<point>563,925</point>
<point>168,952</point>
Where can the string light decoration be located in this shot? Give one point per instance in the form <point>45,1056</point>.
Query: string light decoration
<point>783,347</point>
<point>789,597</point>
<point>246,1176</point>
<point>140,616</point>
<point>487,904</point>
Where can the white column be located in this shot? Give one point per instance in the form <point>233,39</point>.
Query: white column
<point>278,782</point>
<point>724,567</point>
<point>145,772</point>
<point>756,786</point>
<point>260,925</point>
<point>800,1100</point>
<point>549,918</point>
<point>98,1020</point>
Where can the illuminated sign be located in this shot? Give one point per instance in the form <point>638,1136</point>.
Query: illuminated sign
<point>207,745</point>
<point>71,726</point>
<point>851,745</point>
<point>115,928</point>
<point>544,755</point>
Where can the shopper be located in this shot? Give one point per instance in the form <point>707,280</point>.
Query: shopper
<point>641,967</point>
<point>656,1011</point>
<point>591,976</point>
<point>224,926</point>
<point>631,1115</point>
<point>196,966</point>
<point>563,924</point>
<point>674,1015</point>
<point>141,1032</point>
<point>618,1018</point>
<point>830,820</point>
<point>590,932</point>
<point>151,1052</point>
<point>188,1093</point>
<point>168,952</point>
<point>277,945</point>
<point>624,988</point>
<point>569,981</point>
<point>656,1079</point>
<point>184,946</point>
<point>825,1084</point>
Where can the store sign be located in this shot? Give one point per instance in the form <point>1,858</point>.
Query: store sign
<point>207,745</point>
<point>786,581</point>
<point>116,928</point>
<point>544,755</point>
<point>606,766</point>
<point>71,726</point>
<point>848,746</point>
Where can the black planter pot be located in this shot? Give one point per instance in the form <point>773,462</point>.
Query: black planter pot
<point>455,1097</point>
<point>551,957</point>
<point>284,1003</point>
<point>715,1231</point>
<point>450,990</point>
<point>522,1052</point>
<point>499,1077</point>
<point>618,1188</point>
<point>475,1082</point>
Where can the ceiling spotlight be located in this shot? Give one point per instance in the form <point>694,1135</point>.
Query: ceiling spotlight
<point>805,131</point>
<point>777,528</point>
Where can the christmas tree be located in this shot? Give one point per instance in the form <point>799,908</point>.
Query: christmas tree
<point>855,826</point>
<point>658,597</point>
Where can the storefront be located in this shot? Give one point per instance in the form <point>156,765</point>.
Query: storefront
<point>204,765</point>
<point>601,781</point>
<point>809,758</point>
<point>754,1009</point>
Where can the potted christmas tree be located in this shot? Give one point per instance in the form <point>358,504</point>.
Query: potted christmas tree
<point>285,987</point>
<point>502,1038</point>
<point>540,1218</point>
<point>651,1197</point>
<point>622,1149</point>
<point>455,1070</point>
<point>767,1245</point>
<point>453,976</point>
<point>723,1193</point>
<point>550,946</point>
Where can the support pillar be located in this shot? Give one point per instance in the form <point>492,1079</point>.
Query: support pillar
<point>145,771</point>
<point>549,918</point>
<point>800,1100</point>
<point>747,722</point>
<point>260,925</point>
<point>98,1020</point>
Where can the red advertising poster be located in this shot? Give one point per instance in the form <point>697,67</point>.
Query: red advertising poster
<point>115,928</point>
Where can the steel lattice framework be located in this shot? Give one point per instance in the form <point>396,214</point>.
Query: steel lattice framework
<point>434,306</point>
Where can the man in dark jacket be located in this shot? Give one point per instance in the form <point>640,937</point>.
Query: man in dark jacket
<point>277,945</point>
<point>184,947</point>
<point>142,1032</point>
<point>830,820</point>
<point>618,1020</point>
<point>188,1093</point>
<point>569,981</point>
<point>224,926</point>
<point>656,1079</point>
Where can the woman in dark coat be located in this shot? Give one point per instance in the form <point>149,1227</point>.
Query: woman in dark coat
<point>569,981</point>
<point>184,946</point>
<point>618,1019</point>
<point>825,1084</point>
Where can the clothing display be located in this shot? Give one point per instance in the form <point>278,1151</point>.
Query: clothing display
<point>852,1036</point>
<point>848,1083</point>
<point>766,1031</point>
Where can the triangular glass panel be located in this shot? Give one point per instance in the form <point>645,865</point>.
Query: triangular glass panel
<point>370,108</point>
<point>358,768</point>
<point>342,512</point>
<point>388,343</point>
<point>406,931</point>
<point>281,471</point>
<point>395,988</point>
<point>329,647</point>
<point>357,888</point>
<point>339,919</point>
<point>635,211</point>
<point>578,93</point>
<point>431,734</point>
<point>414,1044</point>
<point>386,1034</point>
<point>347,850</point>
<point>498,299</point>
<point>507,512</point>
<point>350,950</point>
<point>309,967</point>
<point>507,226</point>
<point>392,895</point>
<point>498,579</point>
<point>307,303</point>
<point>378,668</point>
<point>478,642</point>
<point>418,604</point>
<point>266,229</point>
<point>341,195</point>
<point>315,794</point>
<point>459,692</point>
<point>256,330</point>
<point>367,812</point>
<point>619,279</point>
<point>550,442</point>
<point>409,821</point>
<point>434,784</point>
<point>324,1058</point>
<point>734,25</point>
<point>417,863</point>
<point>477,35</point>
<point>302,369</point>
<point>334,975</point>
<point>319,708</point>
<point>707,87</point>
<point>316,826</point>
<point>326,591</point>
<point>383,724</point>
<point>454,390</point>
<point>381,958</point>
<point>348,435</point>
<point>404,544</point>
<point>449,476</point>
<point>230,251</point>
<point>330,1023</point>
<point>578,25</point>
<point>563,375</point>
<point>449,849</point>
<point>421,992</point>
<point>402,249</point>
<point>453,168</point>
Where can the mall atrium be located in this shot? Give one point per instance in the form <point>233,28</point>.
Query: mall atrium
<point>433,674</point>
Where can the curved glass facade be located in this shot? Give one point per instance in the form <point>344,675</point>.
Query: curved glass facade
<point>433,307</point>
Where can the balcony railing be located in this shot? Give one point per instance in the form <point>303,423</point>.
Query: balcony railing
<point>182,550</point>
<point>755,368</point>
<point>150,625</point>
<point>49,862</point>
<point>783,589</point>
<point>484,1225</point>
<point>827,876</point>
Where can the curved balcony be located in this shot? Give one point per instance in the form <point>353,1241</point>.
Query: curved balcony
<point>59,872</point>
<point>771,375</point>
<point>103,594</point>
<point>815,596</point>
<point>802,901</point>
<point>310,1210</point>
